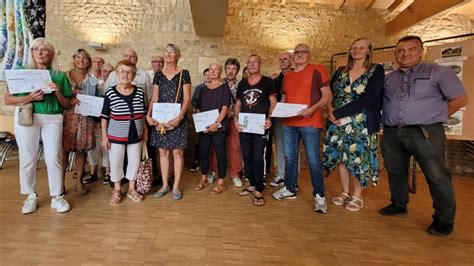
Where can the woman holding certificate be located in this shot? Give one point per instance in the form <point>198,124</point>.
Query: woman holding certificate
<point>46,126</point>
<point>79,131</point>
<point>350,143</point>
<point>123,129</point>
<point>171,86</point>
<point>215,96</point>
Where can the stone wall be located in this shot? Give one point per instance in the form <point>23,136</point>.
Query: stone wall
<point>265,27</point>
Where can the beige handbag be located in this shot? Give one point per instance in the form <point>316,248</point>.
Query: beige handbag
<point>25,114</point>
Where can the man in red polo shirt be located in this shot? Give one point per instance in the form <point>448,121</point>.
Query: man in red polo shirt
<point>307,84</point>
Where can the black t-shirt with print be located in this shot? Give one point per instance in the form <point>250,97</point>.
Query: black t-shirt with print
<point>254,98</point>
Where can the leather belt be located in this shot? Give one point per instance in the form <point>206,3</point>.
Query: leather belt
<point>403,126</point>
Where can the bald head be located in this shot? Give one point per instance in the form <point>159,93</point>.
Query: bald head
<point>285,59</point>
<point>130,55</point>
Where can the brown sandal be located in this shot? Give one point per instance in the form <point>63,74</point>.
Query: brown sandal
<point>342,199</point>
<point>218,190</point>
<point>116,197</point>
<point>355,204</point>
<point>202,184</point>
<point>135,196</point>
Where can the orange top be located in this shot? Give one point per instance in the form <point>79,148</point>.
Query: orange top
<point>304,87</point>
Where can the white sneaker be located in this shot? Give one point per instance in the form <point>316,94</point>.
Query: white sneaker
<point>283,193</point>
<point>237,182</point>
<point>29,205</point>
<point>278,181</point>
<point>211,177</point>
<point>320,204</point>
<point>60,204</point>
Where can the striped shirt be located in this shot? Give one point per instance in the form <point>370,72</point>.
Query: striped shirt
<point>125,115</point>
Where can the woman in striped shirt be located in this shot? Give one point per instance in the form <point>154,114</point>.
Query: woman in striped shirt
<point>123,129</point>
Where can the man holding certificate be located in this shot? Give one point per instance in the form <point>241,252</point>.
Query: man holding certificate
<point>255,100</point>
<point>214,100</point>
<point>307,84</point>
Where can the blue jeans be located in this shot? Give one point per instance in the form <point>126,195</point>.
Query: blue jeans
<point>310,136</point>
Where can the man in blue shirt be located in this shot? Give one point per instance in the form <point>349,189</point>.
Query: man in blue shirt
<point>418,97</point>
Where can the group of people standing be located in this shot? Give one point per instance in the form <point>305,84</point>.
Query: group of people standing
<point>411,102</point>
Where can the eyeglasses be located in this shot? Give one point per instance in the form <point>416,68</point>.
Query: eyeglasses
<point>303,52</point>
<point>40,50</point>
<point>169,52</point>
<point>126,73</point>
<point>161,62</point>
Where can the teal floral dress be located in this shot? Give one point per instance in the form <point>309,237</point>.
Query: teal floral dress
<point>352,144</point>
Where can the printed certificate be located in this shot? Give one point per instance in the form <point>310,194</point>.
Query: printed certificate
<point>287,109</point>
<point>164,112</point>
<point>89,105</point>
<point>252,123</point>
<point>27,80</point>
<point>203,119</point>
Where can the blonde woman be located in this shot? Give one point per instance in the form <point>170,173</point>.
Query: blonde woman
<point>214,95</point>
<point>352,146</point>
<point>47,127</point>
<point>79,131</point>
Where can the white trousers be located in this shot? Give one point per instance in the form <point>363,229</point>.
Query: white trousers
<point>94,155</point>
<point>48,129</point>
<point>117,155</point>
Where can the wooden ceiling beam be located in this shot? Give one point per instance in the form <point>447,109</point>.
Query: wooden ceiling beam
<point>209,16</point>
<point>369,4</point>
<point>418,11</point>
<point>394,5</point>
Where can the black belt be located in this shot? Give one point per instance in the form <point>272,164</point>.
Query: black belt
<point>424,131</point>
<point>404,126</point>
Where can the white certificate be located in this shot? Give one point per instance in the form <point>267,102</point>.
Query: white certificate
<point>164,112</point>
<point>27,80</point>
<point>252,123</point>
<point>89,105</point>
<point>204,119</point>
<point>287,109</point>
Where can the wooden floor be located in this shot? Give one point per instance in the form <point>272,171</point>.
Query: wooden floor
<point>202,229</point>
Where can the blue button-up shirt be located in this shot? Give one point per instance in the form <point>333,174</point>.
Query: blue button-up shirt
<point>420,95</point>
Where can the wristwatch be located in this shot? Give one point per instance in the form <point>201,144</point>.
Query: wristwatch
<point>218,124</point>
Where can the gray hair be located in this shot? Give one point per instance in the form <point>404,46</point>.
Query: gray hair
<point>175,48</point>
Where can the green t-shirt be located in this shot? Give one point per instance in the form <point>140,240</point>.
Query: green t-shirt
<point>50,104</point>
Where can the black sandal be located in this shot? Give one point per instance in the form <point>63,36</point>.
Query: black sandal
<point>259,201</point>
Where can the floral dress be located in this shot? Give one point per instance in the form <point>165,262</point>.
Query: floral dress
<point>78,130</point>
<point>178,137</point>
<point>351,143</point>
